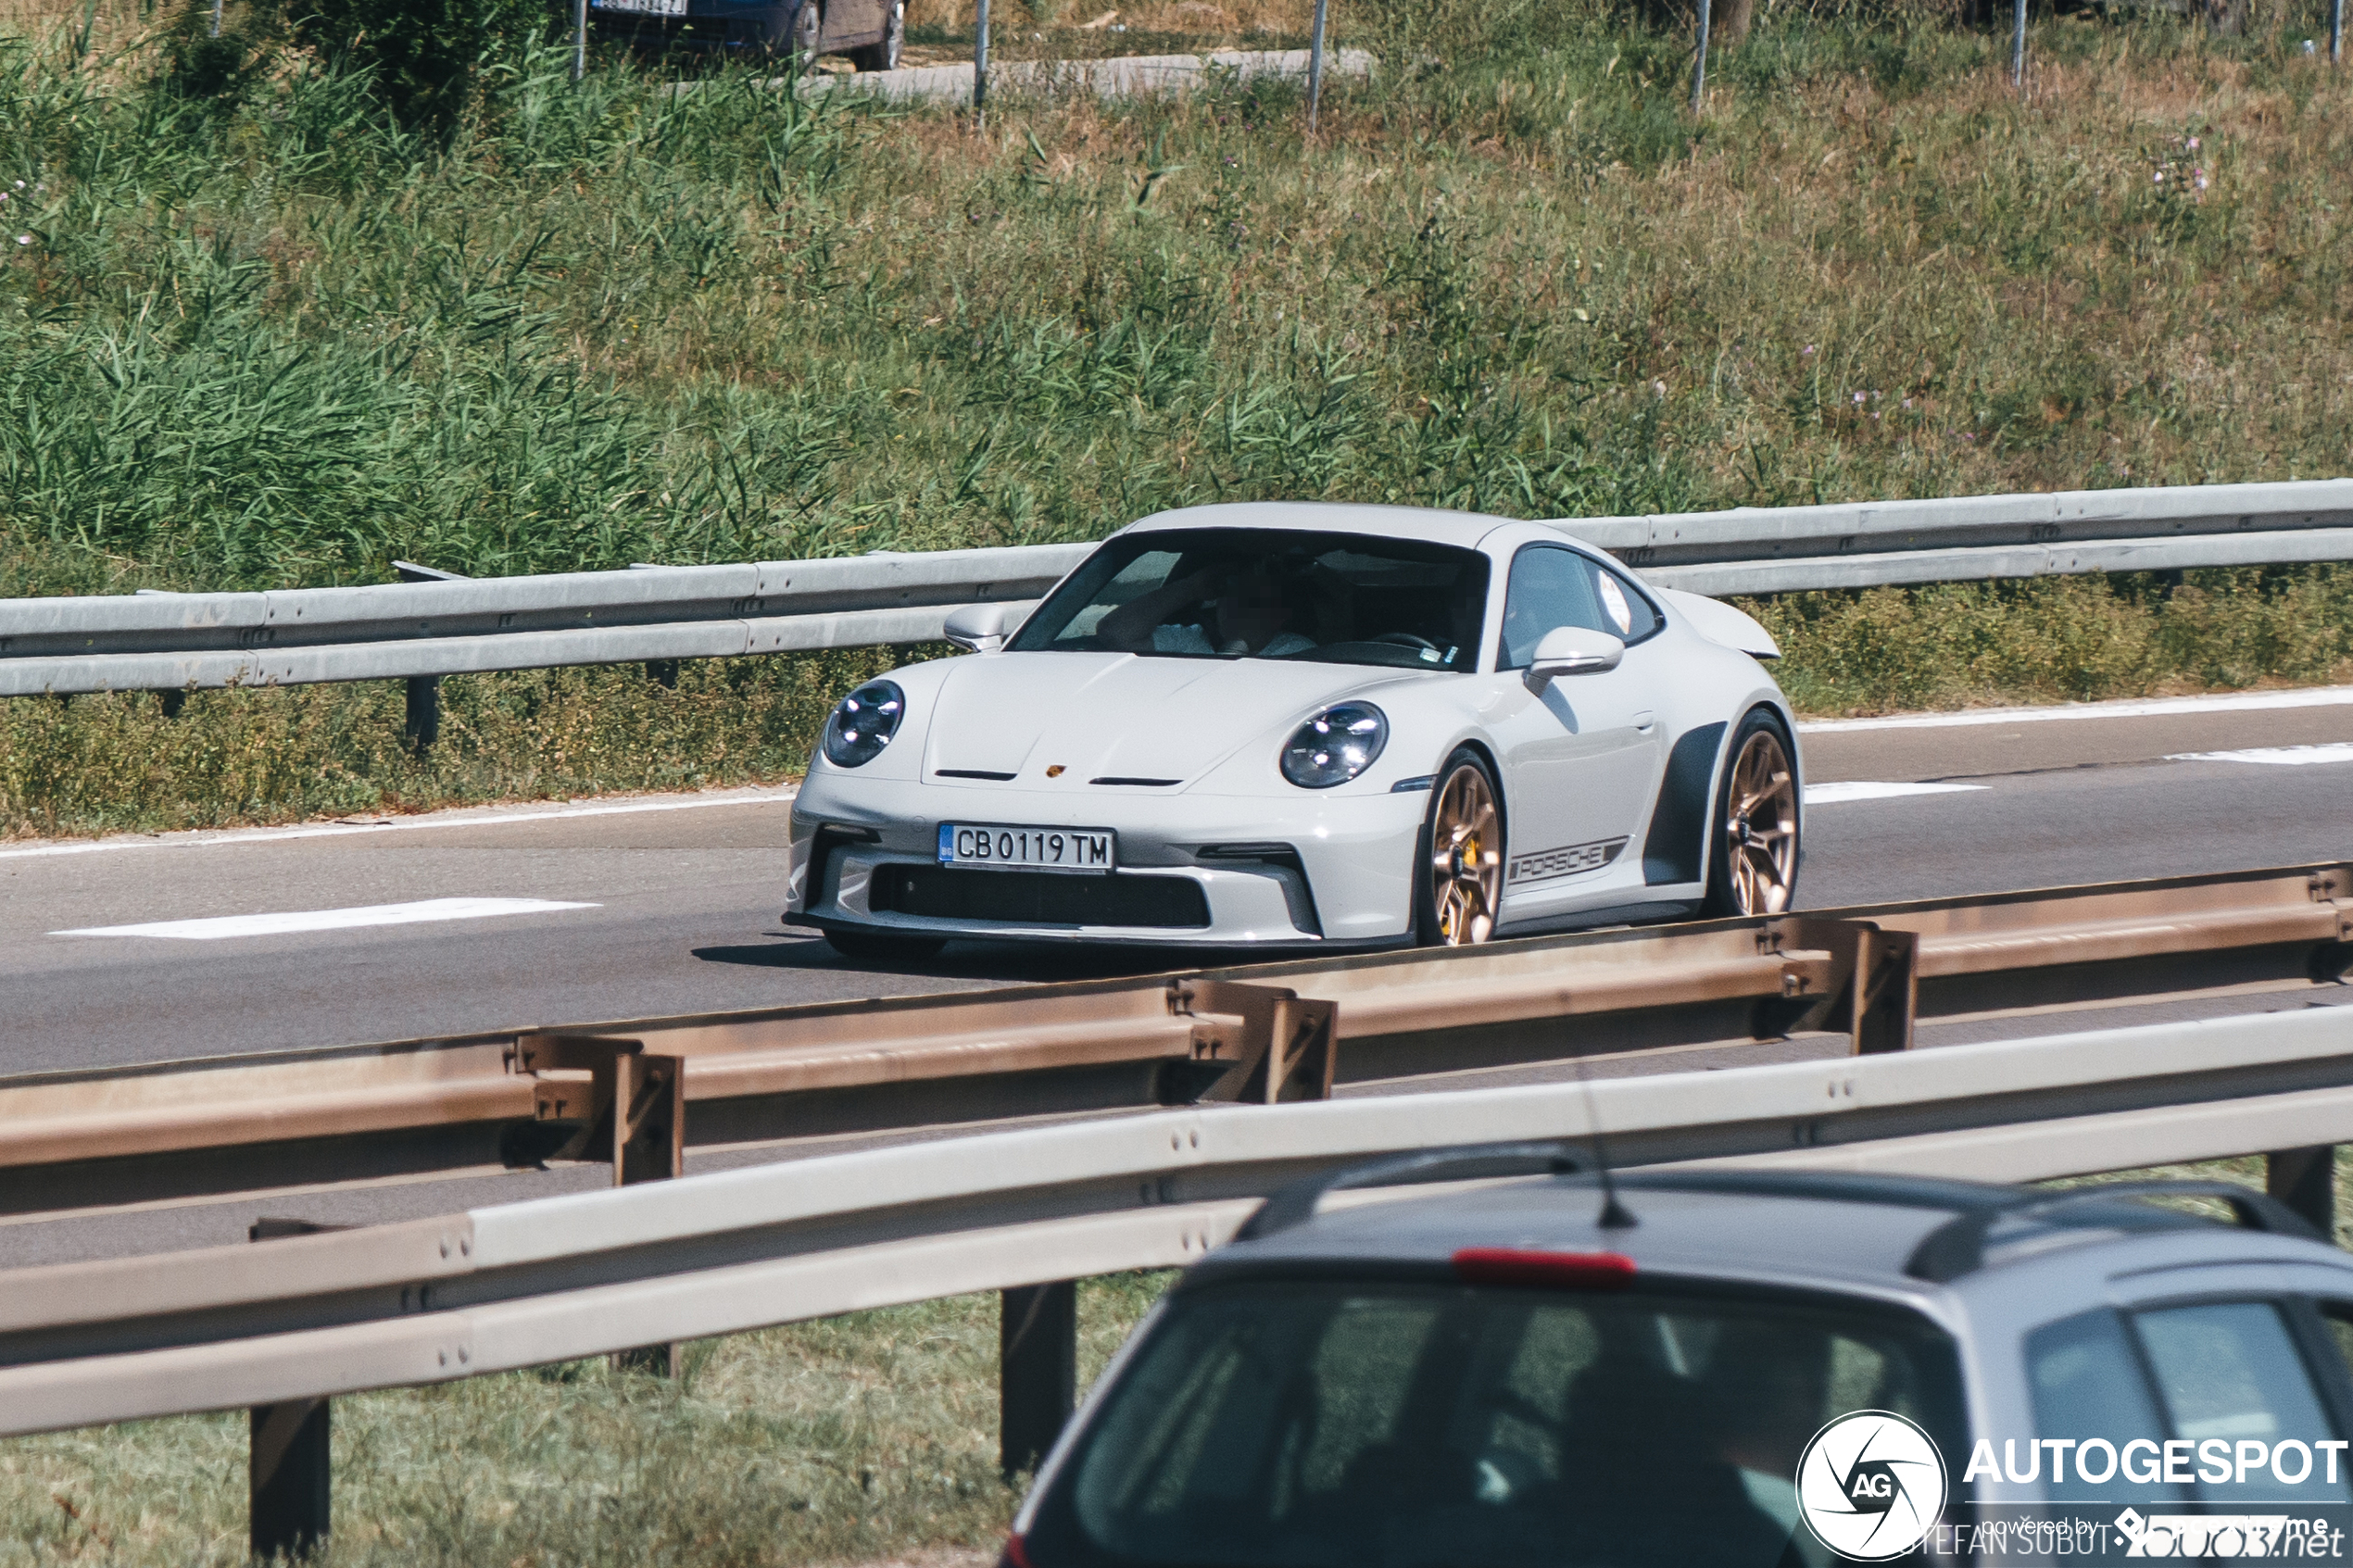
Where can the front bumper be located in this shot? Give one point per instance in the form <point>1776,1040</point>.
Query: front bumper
<point>1317,870</point>
<point>756,29</point>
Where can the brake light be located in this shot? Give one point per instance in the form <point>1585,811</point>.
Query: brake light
<point>1562,1271</point>
<point>1016,1555</point>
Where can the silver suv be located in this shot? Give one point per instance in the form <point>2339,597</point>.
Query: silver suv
<point>1547,1371</point>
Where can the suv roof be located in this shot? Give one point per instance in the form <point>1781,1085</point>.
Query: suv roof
<point>1897,1234</point>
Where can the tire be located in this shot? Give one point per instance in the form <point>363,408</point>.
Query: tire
<point>883,946</point>
<point>884,54</point>
<point>804,33</point>
<point>1753,848</point>
<point>1458,860</point>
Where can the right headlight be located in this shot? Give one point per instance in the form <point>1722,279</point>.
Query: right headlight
<point>863,722</point>
<point>1335,746</point>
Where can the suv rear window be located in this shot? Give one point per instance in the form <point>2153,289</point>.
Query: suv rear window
<point>1302,1422</point>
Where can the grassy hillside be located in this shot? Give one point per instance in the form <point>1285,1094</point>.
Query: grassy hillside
<point>266,336</point>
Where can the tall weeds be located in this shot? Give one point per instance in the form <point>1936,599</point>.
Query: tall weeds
<point>271,336</point>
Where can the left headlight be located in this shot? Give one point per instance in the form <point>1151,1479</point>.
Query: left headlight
<point>1335,746</point>
<point>863,722</point>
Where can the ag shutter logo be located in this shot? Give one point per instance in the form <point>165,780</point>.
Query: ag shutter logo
<point>1871,1485</point>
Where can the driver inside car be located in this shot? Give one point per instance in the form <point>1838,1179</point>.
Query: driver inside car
<point>1241,605</point>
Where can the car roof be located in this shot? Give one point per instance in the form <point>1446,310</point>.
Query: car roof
<point>1819,1229</point>
<point>1465,529</point>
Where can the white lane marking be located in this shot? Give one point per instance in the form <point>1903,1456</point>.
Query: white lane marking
<point>2277,755</point>
<point>1838,794</point>
<point>2237,702</point>
<point>493,817</point>
<point>220,926</point>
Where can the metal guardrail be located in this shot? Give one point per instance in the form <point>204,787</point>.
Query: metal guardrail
<point>422,631</point>
<point>555,1279</point>
<point>284,1327</point>
<point>1874,544</point>
<point>91,1138</point>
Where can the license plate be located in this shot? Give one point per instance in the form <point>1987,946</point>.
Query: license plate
<point>1028,848</point>
<point>645,7</point>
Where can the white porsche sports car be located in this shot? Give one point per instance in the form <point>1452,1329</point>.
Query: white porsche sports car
<point>1295,725</point>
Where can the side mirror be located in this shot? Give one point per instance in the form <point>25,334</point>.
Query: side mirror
<point>979,628</point>
<point>1573,651</point>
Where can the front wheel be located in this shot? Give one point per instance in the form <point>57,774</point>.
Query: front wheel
<point>1458,876</point>
<point>884,54</point>
<point>1754,871</point>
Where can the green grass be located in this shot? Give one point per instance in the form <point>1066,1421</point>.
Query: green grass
<point>266,336</point>
<point>846,1441</point>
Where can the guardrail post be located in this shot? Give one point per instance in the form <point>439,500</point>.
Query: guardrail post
<point>1287,1046</point>
<point>1038,1372</point>
<point>289,1501</point>
<point>423,725</point>
<point>1871,989</point>
<point>630,1112</point>
<point>287,1469</point>
<point>2305,1179</point>
<point>1886,995</point>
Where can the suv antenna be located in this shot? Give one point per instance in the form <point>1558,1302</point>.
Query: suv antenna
<point>1616,1216</point>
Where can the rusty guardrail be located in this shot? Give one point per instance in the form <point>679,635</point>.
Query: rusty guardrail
<point>86,1139</point>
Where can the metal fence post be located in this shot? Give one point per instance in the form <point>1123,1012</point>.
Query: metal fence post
<point>630,1112</point>
<point>1699,59</point>
<point>216,18</point>
<point>421,723</point>
<point>288,1476</point>
<point>2018,45</point>
<point>287,1458</point>
<point>980,60</point>
<point>1315,65</point>
<point>579,39</point>
<point>2336,29</point>
<point>1038,1371</point>
<point>2305,1179</point>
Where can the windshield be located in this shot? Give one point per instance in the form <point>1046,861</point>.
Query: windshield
<point>1312,1423</point>
<point>1263,593</point>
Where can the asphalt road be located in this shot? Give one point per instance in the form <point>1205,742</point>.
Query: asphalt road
<point>675,900</point>
<point>656,906</point>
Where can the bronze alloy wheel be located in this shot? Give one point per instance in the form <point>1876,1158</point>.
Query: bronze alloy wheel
<point>1760,826</point>
<point>1465,858</point>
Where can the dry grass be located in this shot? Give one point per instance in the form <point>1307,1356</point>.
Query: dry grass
<point>865,1439</point>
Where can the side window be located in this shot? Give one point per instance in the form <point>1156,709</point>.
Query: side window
<point>2339,1316</point>
<point>2088,1388</point>
<point>2237,1387</point>
<point>1549,589</point>
<point>1630,614</point>
<point>1552,588</point>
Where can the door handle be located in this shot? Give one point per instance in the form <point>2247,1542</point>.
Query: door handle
<point>1647,720</point>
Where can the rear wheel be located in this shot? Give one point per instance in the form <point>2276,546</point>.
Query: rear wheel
<point>884,54</point>
<point>808,30</point>
<point>1458,877</point>
<point>1754,871</point>
<point>882,947</point>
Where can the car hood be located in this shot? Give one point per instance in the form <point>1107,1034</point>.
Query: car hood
<point>1125,716</point>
